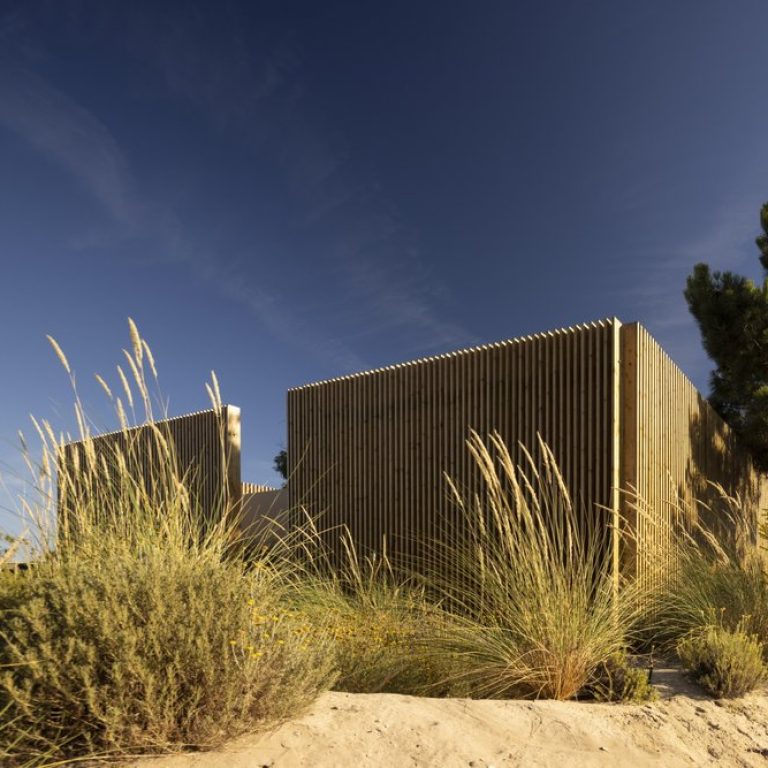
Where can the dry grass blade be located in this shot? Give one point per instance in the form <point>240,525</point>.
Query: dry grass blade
<point>214,392</point>
<point>10,553</point>
<point>59,353</point>
<point>126,387</point>
<point>138,348</point>
<point>150,357</point>
<point>211,396</point>
<point>103,384</point>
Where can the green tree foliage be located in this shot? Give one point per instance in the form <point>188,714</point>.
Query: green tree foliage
<point>732,313</point>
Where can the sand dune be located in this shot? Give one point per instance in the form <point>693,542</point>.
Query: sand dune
<point>391,731</point>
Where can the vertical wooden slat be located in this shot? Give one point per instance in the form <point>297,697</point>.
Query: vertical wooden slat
<point>629,416</point>
<point>615,472</point>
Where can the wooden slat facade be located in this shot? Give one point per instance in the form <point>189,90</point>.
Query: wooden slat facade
<point>207,445</point>
<point>369,450</point>
<point>674,446</point>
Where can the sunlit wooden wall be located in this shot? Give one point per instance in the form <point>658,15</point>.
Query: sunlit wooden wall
<point>207,447</point>
<point>252,488</point>
<point>369,450</point>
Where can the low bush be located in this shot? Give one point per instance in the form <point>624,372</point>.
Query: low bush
<point>617,679</point>
<point>151,653</point>
<point>380,648</point>
<point>727,663</point>
<point>379,622</point>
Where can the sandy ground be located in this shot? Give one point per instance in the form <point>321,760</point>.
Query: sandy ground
<point>684,728</point>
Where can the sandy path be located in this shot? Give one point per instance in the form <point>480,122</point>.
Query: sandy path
<point>385,731</point>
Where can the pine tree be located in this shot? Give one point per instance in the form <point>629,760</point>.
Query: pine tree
<point>732,313</point>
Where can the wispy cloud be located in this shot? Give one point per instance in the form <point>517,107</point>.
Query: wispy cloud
<point>276,314</point>
<point>76,140</point>
<point>393,295</point>
<point>69,135</point>
<point>256,99</point>
<point>729,242</point>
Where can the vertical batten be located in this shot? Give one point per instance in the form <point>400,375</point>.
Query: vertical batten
<point>615,442</point>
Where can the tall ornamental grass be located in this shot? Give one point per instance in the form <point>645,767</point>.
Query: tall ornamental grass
<point>712,607</point>
<point>140,628</point>
<point>527,583</point>
<point>720,578</point>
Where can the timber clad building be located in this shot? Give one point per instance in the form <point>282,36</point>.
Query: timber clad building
<point>370,450</point>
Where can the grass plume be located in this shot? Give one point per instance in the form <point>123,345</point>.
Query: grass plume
<point>534,608</point>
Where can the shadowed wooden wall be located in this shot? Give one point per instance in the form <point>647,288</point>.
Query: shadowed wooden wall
<point>264,512</point>
<point>369,450</point>
<point>674,446</point>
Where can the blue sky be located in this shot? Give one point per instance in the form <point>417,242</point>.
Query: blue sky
<point>285,192</point>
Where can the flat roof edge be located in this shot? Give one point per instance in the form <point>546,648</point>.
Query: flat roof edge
<point>604,323</point>
<point>224,407</point>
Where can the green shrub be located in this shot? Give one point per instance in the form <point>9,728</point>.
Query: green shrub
<point>152,653</point>
<point>727,663</point>
<point>616,679</point>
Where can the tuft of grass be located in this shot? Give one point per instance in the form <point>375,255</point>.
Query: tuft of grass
<point>728,663</point>
<point>141,628</point>
<point>720,577</point>
<point>533,604</point>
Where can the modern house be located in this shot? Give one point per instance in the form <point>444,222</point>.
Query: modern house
<point>370,451</point>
